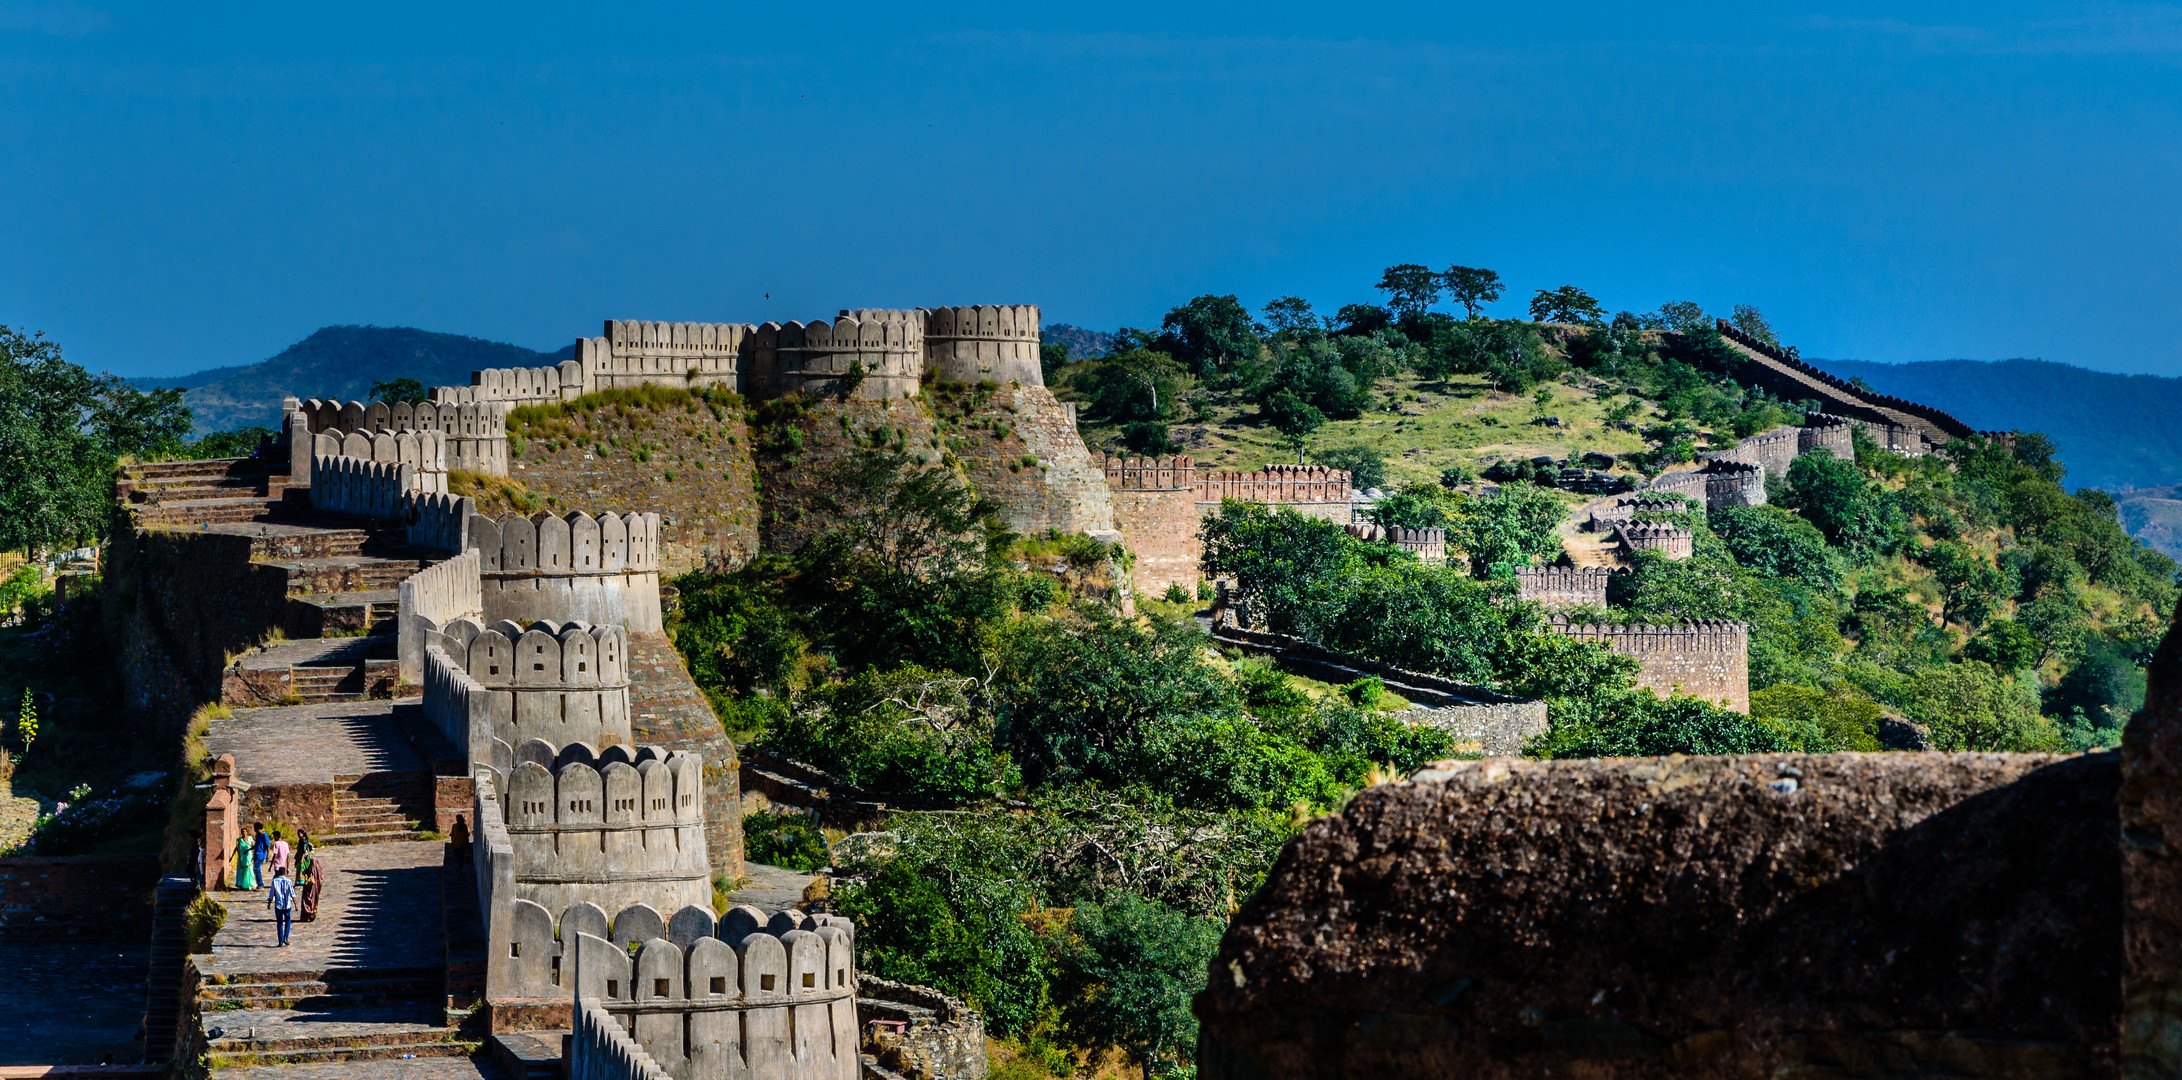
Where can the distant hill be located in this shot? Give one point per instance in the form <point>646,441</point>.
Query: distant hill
<point>1081,342</point>
<point>2154,515</point>
<point>343,362</point>
<point>2115,431</point>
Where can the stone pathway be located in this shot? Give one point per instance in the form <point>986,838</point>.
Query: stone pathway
<point>71,1002</point>
<point>380,909</point>
<point>454,1068</point>
<point>311,744</point>
<point>770,888</point>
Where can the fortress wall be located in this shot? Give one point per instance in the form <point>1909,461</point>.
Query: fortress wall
<point>1155,508</point>
<point>1676,541</point>
<point>1708,659</point>
<point>1563,586</point>
<point>1773,449</point>
<point>1430,545</point>
<point>1830,432</point>
<point>1066,489</point>
<point>560,684</point>
<point>1690,482</point>
<point>360,488</point>
<point>433,598</point>
<point>615,828</point>
<point>989,343</point>
<point>602,570</point>
<point>747,996</point>
<point>473,434</point>
<point>1925,425</point>
<point>811,358</point>
<point>635,352</point>
<point>1734,484</point>
<point>829,431</point>
<point>440,521</point>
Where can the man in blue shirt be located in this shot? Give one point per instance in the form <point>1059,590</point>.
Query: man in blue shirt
<point>281,898</point>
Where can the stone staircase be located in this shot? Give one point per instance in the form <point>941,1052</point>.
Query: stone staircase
<point>242,1037</point>
<point>381,806</point>
<point>321,991</point>
<point>207,492</point>
<point>313,670</point>
<point>163,983</point>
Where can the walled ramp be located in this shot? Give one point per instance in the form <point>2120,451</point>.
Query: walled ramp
<point>363,983</point>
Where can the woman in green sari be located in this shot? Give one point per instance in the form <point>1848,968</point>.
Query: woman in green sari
<point>246,871</point>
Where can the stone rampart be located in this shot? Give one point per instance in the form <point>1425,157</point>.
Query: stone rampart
<point>598,1049</point>
<point>1625,509</point>
<point>1159,504</point>
<point>1676,541</point>
<point>886,346</point>
<point>614,829</point>
<point>991,343</point>
<point>423,451</point>
<point>439,521</point>
<point>1558,587</point>
<point>1734,484</point>
<point>1900,425</point>
<point>1831,433</point>
<point>563,684</point>
<point>1773,449</point>
<point>1707,659</point>
<point>475,434</point>
<point>743,996</point>
<point>360,488</point>
<point>433,598</point>
<point>1429,545</point>
<point>602,570</point>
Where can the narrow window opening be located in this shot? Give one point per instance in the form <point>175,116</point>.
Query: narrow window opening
<point>515,948</point>
<point>765,982</point>
<point>556,971</point>
<point>809,980</point>
<point>719,984</point>
<point>659,988</point>
<point>613,988</point>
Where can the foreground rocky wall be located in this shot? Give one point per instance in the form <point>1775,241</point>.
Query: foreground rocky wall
<point>1849,915</point>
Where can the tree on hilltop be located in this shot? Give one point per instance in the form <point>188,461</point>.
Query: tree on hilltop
<point>403,389</point>
<point>1567,304</point>
<point>1208,335</point>
<point>1472,287</point>
<point>1290,317</point>
<point>1294,418</point>
<point>1682,315</point>
<point>1411,289</point>
<point>1748,320</point>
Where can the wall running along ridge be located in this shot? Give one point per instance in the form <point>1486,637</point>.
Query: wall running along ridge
<point>1707,659</point>
<point>616,829</point>
<point>594,570</point>
<point>475,434</point>
<point>563,685</point>
<point>1159,504</point>
<point>1559,587</point>
<point>1430,545</point>
<point>1676,541</point>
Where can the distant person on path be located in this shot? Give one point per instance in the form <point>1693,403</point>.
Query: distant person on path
<point>261,847</point>
<point>281,898</point>
<point>313,881</point>
<point>302,851</point>
<point>279,860</point>
<point>246,875</point>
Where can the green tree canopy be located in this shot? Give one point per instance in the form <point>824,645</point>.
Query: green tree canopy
<point>1472,287</point>
<point>1411,289</point>
<point>1567,304</point>
<point>1208,335</point>
<point>1970,706</point>
<point>1128,972</point>
<point>1510,528</point>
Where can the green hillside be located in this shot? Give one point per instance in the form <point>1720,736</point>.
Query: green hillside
<point>341,361</point>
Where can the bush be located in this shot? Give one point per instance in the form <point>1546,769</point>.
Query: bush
<point>1816,722</point>
<point>1366,466</point>
<point>784,840</point>
<point>1127,973</point>
<point>1643,726</point>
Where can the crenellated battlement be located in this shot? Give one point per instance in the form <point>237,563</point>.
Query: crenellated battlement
<point>493,689</point>
<point>1563,586</point>
<point>1707,658</point>
<point>1427,544</point>
<point>601,570</point>
<point>424,451</point>
<point>361,487</point>
<point>475,434</point>
<point>1178,473</point>
<point>1677,541</point>
<point>613,827</point>
<point>886,346</point>
<point>994,343</point>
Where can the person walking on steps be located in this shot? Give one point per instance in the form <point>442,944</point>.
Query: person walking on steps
<point>281,898</point>
<point>311,881</point>
<point>278,861</point>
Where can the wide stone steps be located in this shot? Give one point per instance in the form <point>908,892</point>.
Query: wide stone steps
<point>201,512</point>
<point>381,806</point>
<point>328,683</point>
<point>319,991</point>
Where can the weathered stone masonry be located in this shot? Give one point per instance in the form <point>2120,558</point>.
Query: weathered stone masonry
<point>1708,659</point>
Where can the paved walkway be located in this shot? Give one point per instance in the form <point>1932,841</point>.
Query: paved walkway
<point>312,744</point>
<point>71,1002</point>
<point>380,909</point>
<point>770,888</point>
<point>479,1068</point>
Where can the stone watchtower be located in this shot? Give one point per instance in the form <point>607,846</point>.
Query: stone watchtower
<point>984,343</point>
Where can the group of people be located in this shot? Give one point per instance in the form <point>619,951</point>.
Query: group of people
<point>262,861</point>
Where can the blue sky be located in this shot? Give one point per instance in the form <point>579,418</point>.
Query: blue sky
<point>182,189</point>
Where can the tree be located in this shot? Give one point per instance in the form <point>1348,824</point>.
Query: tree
<point>1134,384</point>
<point>1818,722</point>
<point>1290,317</point>
<point>1127,975</point>
<point>1833,494</point>
<point>1775,543</point>
<point>1567,304</point>
<point>1970,706</point>
<point>1684,316</point>
<point>1411,289</point>
<point>1366,467</point>
<point>61,431</point>
<point>1472,287</point>
<point>1208,334</point>
<point>1749,321</point>
<point>1969,585</point>
<point>1415,507</point>
<point>1508,529</point>
<point>401,389</point>
<point>1294,418</point>
<point>1357,320</point>
<point>2006,644</point>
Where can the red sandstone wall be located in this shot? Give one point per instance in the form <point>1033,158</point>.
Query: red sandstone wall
<point>1160,527</point>
<point>1709,660</point>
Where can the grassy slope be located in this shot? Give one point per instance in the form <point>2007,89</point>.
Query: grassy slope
<point>1460,422</point>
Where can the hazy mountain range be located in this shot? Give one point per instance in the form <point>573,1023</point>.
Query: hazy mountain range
<point>342,362</point>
